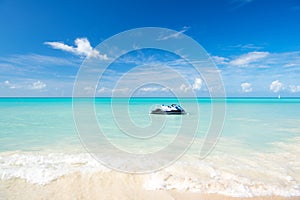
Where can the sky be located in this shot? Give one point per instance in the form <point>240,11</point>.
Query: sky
<point>255,44</point>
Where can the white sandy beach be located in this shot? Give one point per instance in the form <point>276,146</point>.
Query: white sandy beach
<point>104,186</point>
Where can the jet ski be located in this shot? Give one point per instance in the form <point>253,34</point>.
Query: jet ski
<point>173,109</point>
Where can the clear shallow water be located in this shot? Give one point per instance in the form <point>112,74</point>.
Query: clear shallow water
<point>257,154</point>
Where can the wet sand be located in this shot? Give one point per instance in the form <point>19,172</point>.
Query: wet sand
<point>103,186</point>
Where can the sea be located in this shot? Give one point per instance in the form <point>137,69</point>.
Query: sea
<point>254,151</point>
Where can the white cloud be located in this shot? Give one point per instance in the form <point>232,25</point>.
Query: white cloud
<point>38,85</point>
<point>220,60</point>
<point>247,47</point>
<point>37,59</point>
<point>11,85</point>
<point>102,90</point>
<point>284,62</point>
<point>34,65</point>
<point>126,90</point>
<point>153,89</point>
<point>289,65</point>
<point>249,58</point>
<point>82,48</point>
<point>246,87</point>
<point>89,89</point>
<point>173,35</point>
<point>197,84</point>
<point>149,89</point>
<point>276,86</point>
<point>294,88</point>
<point>121,90</point>
<point>184,88</point>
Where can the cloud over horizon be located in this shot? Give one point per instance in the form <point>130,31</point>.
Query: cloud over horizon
<point>246,87</point>
<point>276,86</point>
<point>294,88</point>
<point>36,85</point>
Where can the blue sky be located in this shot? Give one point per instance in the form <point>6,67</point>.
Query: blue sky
<point>254,43</point>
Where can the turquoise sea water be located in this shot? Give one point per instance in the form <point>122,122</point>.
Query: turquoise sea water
<point>38,123</point>
<point>256,154</point>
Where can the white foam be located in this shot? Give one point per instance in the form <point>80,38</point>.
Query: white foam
<point>43,168</point>
<point>258,175</point>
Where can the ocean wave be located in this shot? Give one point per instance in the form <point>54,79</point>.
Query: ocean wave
<point>208,178</point>
<point>41,169</point>
<point>261,174</point>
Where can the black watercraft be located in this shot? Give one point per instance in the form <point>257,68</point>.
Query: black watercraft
<point>174,109</point>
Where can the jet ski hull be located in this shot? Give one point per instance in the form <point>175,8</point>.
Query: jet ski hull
<point>162,112</point>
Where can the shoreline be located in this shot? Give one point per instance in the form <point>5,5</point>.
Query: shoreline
<point>105,186</point>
